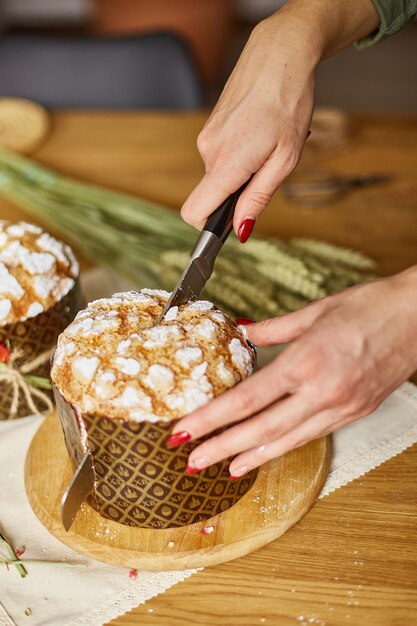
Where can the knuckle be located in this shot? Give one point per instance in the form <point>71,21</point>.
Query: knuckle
<point>295,441</point>
<point>220,447</point>
<point>190,216</point>
<point>259,199</point>
<point>262,330</point>
<point>299,443</point>
<point>203,142</point>
<point>205,425</point>
<point>360,406</point>
<point>267,435</point>
<point>270,431</point>
<point>185,213</point>
<point>340,391</point>
<point>217,165</point>
<point>259,30</point>
<point>313,361</point>
<point>289,160</point>
<point>245,401</point>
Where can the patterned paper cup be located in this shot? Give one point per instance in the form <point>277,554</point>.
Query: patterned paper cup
<point>138,480</point>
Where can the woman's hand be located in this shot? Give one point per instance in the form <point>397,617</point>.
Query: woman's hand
<point>261,120</point>
<point>259,124</point>
<point>348,353</point>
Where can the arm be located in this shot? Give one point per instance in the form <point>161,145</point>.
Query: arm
<point>261,120</point>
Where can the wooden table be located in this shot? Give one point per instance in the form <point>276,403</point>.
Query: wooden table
<point>353,559</point>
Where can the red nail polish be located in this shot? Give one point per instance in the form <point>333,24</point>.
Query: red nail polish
<point>234,477</point>
<point>190,469</point>
<point>243,321</point>
<point>178,438</point>
<point>245,230</point>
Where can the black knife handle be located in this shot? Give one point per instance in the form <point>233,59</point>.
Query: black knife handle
<point>220,222</point>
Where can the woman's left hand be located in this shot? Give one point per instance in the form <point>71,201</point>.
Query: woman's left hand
<point>348,353</point>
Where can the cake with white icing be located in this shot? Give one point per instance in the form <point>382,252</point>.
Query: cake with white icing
<point>121,379</point>
<point>39,297</point>
<point>114,360</point>
<point>36,271</point>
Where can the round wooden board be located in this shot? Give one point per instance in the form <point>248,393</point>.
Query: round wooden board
<point>23,124</point>
<point>284,490</point>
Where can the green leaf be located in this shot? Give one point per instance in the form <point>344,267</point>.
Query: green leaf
<point>38,381</point>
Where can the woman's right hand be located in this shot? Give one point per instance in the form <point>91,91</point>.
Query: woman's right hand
<point>261,120</point>
<point>259,124</point>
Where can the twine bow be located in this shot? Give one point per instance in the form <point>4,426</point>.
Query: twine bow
<point>22,381</point>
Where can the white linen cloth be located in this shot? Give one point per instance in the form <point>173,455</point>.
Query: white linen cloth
<point>97,593</point>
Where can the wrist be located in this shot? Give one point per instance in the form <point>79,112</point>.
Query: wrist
<point>290,32</point>
<point>404,296</point>
<point>407,281</point>
<point>325,27</point>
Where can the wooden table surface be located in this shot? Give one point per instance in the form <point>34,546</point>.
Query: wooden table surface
<point>353,559</point>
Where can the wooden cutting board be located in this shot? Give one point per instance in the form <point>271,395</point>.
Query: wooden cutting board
<point>284,490</point>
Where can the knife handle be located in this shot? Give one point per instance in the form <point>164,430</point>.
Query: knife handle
<point>220,222</point>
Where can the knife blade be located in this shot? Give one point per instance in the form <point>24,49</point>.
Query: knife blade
<point>79,488</point>
<point>203,256</point>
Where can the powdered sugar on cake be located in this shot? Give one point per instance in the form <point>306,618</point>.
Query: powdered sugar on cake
<point>131,367</point>
<point>36,271</point>
<point>9,285</point>
<point>123,365</point>
<point>185,356</point>
<point>34,309</point>
<point>159,336</point>
<point>5,308</point>
<point>240,356</point>
<point>160,378</point>
<point>171,314</point>
<point>84,368</point>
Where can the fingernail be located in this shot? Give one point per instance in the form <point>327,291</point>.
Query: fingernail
<point>239,472</point>
<point>190,469</point>
<point>177,439</point>
<point>245,229</point>
<point>199,464</point>
<point>243,321</point>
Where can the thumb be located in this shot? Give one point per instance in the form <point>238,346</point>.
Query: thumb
<point>209,194</point>
<point>285,328</point>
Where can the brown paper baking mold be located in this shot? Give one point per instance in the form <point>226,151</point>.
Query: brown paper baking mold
<point>141,482</point>
<point>33,337</point>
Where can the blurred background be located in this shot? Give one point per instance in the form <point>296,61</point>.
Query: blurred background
<point>173,54</point>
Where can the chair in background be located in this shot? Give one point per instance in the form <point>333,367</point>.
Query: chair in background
<point>148,71</point>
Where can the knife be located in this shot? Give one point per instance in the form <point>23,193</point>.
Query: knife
<point>203,256</point>
<point>74,495</point>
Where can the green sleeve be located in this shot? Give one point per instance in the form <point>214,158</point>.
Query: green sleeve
<point>394,15</point>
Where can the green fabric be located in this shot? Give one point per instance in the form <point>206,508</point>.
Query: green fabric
<point>394,15</point>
